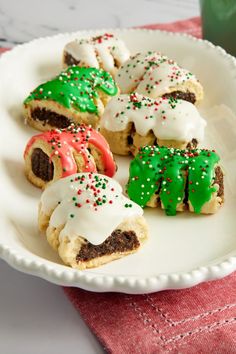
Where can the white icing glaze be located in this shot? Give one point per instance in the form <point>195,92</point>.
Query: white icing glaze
<point>151,74</point>
<point>103,50</point>
<point>169,119</point>
<point>93,222</point>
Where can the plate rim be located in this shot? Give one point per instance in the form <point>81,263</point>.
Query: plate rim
<point>88,280</point>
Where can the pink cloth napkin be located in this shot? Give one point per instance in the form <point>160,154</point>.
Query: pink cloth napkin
<point>190,26</point>
<point>201,319</point>
<point>2,50</point>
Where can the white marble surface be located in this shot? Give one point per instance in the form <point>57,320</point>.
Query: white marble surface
<point>35,316</point>
<point>23,20</point>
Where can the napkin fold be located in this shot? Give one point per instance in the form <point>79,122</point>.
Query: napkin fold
<point>201,319</point>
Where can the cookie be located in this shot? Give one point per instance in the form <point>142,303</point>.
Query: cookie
<point>59,153</point>
<point>154,75</point>
<point>89,222</point>
<point>177,180</point>
<point>77,95</point>
<point>132,121</point>
<point>105,51</point>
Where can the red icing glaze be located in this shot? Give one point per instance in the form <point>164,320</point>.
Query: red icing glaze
<point>65,141</point>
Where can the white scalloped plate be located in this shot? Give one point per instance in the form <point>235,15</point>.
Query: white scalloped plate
<point>182,251</point>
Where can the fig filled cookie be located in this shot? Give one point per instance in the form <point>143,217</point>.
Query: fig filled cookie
<point>132,121</point>
<point>105,51</point>
<point>77,95</point>
<point>89,221</point>
<point>177,180</point>
<point>59,153</point>
<point>154,75</point>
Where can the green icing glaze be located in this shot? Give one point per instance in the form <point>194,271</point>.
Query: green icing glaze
<point>165,171</point>
<point>201,174</point>
<point>76,88</point>
<point>173,183</point>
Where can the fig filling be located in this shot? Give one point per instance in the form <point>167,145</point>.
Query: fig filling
<point>219,179</point>
<point>130,139</point>
<point>41,165</point>
<point>118,241</point>
<point>52,118</point>
<point>70,60</point>
<point>192,144</point>
<point>186,96</point>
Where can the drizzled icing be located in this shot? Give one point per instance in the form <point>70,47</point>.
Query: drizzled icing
<point>167,118</point>
<point>88,205</point>
<point>151,74</point>
<point>76,88</point>
<point>104,51</point>
<point>64,142</point>
<point>165,170</point>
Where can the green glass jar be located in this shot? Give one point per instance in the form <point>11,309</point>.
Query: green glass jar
<point>219,23</point>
